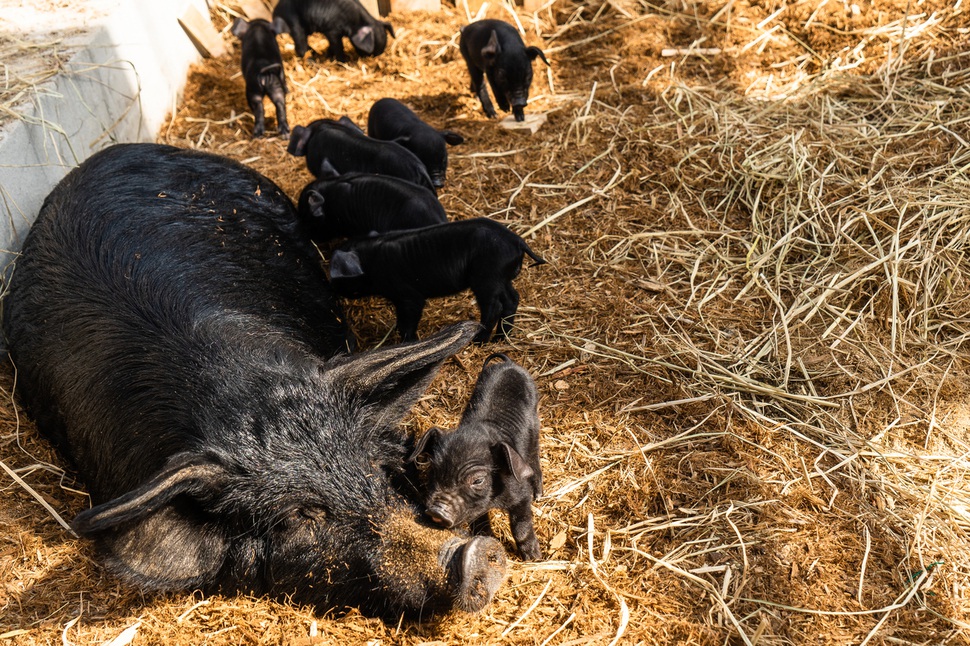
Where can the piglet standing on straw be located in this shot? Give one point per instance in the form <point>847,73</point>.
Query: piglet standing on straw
<point>494,49</point>
<point>262,67</point>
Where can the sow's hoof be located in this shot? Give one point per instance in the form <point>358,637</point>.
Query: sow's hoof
<point>476,568</point>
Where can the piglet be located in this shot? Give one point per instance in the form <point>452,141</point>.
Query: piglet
<point>338,147</point>
<point>391,120</point>
<point>494,49</point>
<point>262,67</point>
<point>491,461</point>
<point>408,267</point>
<point>357,204</point>
<point>334,19</point>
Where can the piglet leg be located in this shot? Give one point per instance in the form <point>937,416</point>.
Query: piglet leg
<point>279,101</point>
<point>523,531</point>
<point>256,105</point>
<point>510,304</point>
<point>408,316</point>
<point>479,88</point>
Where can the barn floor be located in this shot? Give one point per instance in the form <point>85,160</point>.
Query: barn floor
<point>751,336</point>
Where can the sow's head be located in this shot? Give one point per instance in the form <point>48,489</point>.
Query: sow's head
<point>304,503</point>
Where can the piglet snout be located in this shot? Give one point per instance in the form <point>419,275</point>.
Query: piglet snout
<point>440,516</point>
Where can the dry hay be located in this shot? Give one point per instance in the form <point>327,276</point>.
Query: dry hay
<point>751,339</point>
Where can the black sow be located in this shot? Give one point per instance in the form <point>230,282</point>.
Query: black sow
<point>334,19</point>
<point>262,67</point>
<point>175,337</point>
<point>408,267</point>
<point>391,120</point>
<point>491,461</point>
<point>494,49</point>
<point>358,204</point>
<point>338,147</point>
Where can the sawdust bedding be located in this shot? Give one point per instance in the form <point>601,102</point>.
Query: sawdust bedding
<point>750,339</point>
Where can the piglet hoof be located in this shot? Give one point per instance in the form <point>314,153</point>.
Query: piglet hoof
<point>284,133</point>
<point>476,569</point>
<point>519,114</point>
<point>529,550</point>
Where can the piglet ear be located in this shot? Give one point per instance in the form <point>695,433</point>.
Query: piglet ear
<point>452,138</point>
<point>389,29</point>
<point>345,264</point>
<point>515,464</point>
<point>347,121</point>
<point>425,444</point>
<point>492,49</point>
<point>240,27</point>
<point>363,39</point>
<point>298,140</point>
<point>315,200</point>
<point>155,535</point>
<point>533,52</point>
<point>327,171</point>
<point>280,26</point>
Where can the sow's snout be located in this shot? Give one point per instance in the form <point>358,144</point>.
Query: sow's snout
<point>476,570</point>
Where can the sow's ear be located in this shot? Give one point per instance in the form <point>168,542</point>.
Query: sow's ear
<point>298,140</point>
<point>452,138</point>
<point>154,535</point>
<point>514,463</point>
<point>424,445</point>
<point>532,52</point>
<point>385,383</point>
<point>363,39</point>
<point>240,27</point>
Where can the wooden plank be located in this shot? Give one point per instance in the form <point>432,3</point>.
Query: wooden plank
<point>202,34</point>
<point>254,9</point>
<point>415,5</point>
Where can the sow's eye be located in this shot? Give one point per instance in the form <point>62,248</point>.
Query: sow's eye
<point>302,517</point>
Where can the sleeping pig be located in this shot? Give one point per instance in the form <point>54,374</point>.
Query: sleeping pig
<point>391,120</point>
<point>408,267</point>
<point>491,461</point>
<point>357,204</point>
<point>342,147</point>
<point>176,339</point>
<point>334,19</point>
<point>494,49</point>
<point>262,67</point>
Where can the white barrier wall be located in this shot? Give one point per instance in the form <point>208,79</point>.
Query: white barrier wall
<point>127,64</point>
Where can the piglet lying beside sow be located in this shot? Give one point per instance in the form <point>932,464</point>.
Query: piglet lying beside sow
<point>409,267</point>
<point>176,339</point>
<point>491,461</point>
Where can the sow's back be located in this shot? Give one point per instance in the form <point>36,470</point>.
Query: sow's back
<point>175,337</point>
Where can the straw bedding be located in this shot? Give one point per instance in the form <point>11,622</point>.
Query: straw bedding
<point>751,337</point>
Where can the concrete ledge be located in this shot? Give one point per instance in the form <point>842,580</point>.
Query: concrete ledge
<point>126,65</point>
